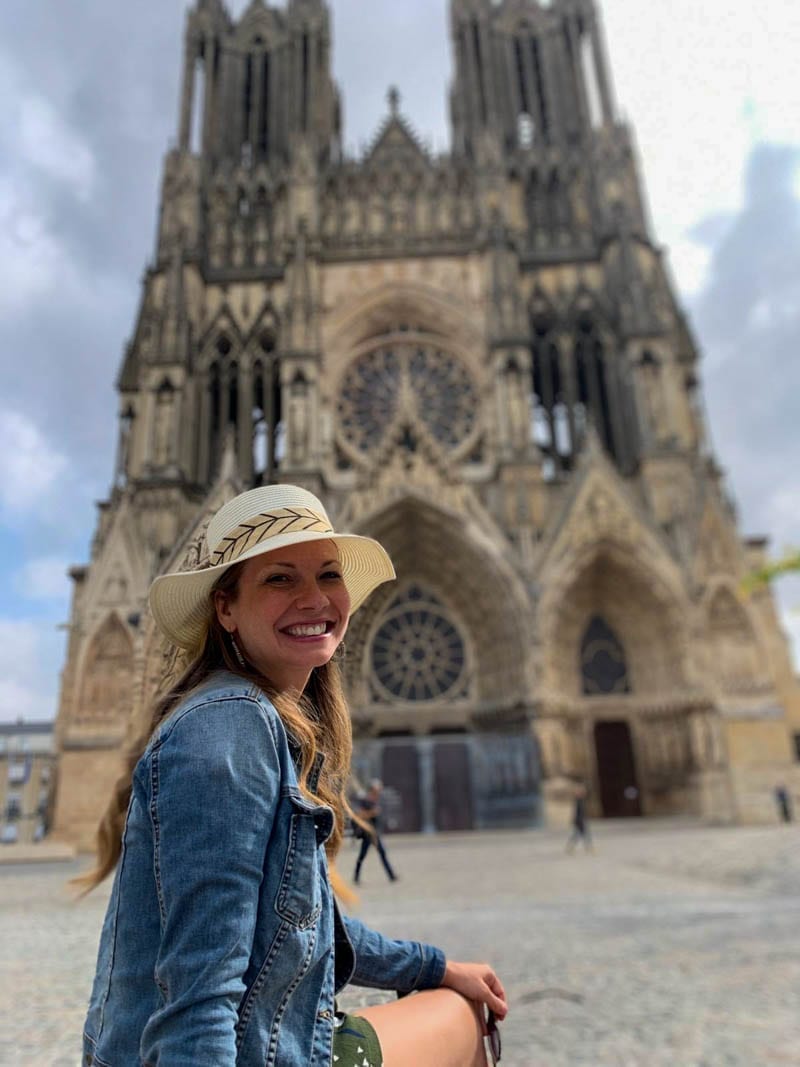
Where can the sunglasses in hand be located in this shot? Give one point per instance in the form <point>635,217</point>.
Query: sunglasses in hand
<point>493,1037</point>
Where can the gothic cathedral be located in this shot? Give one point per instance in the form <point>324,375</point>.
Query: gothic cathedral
<point>478,359</point>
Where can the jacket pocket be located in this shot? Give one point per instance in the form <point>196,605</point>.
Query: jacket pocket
<point>299,899</point>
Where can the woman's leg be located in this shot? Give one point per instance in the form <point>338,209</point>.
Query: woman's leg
<point>437,1028</point>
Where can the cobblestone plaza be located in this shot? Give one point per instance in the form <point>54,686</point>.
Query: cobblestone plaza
<point>671,945</point>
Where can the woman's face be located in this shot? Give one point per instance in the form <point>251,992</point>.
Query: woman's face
<point>289,613</point>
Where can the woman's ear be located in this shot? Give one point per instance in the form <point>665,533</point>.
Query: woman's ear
<point>222,608</point>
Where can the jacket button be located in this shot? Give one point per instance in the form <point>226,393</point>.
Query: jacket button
<point>325,1014</point>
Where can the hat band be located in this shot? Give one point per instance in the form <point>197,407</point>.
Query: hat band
<point>265,525</point>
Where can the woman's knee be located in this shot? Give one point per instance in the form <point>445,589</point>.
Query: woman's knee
<point>437,1028</point>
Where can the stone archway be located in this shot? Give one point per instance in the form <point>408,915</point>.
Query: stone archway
<point>436,549</point>
<point>473,698</point>
<point>613,586</point>
<point>736,658</point>
<point>105,691</point>
<point>617,692</point>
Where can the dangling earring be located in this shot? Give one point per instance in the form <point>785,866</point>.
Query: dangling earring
<point>237,652</point>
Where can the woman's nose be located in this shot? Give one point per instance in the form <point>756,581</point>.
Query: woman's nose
<point>312,596</point>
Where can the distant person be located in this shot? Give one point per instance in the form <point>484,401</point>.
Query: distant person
<point>368,808</point>
<point>783,801</point>
<point>580,827</point>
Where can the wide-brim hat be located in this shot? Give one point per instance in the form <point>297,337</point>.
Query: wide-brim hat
<point>258,521</point>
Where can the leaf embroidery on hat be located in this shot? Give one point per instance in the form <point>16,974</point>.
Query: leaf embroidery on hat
<point>267,524</point>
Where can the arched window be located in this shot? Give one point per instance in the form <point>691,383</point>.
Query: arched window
<point>591,369</point>
<point>736,659</point>
<point>551,423</point>
<point>526,130</point>
<point>105,695</point>
<point>603,666</point>
<point>266,410</point>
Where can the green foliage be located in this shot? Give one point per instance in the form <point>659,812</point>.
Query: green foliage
<point>761,577</point>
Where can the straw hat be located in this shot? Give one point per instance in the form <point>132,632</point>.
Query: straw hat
<point>261,520</point>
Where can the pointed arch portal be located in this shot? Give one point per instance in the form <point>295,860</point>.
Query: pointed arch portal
<point>436,673</point>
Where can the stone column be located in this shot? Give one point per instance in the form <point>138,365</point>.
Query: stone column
<point>577,74</point>
<point>208,106</point>
<point>569,385</point>
<point>244,431</point>
<point>204,431</point>
<point>427,784</point>
<point>600,67</point>
<point>187,95</point>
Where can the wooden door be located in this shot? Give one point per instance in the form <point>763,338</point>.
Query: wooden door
<point>452,785</point>
<point>402,811</point>
<point>616,770</point>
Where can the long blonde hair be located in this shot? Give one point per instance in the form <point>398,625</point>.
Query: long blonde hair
<point>319,722</point>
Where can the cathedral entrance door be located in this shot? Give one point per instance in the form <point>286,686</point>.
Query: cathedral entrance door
<point>400,773</point>
<point>616,770</point>
<point>452,785</point>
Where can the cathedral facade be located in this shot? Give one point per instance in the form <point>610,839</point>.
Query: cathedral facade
<point>477,358</point>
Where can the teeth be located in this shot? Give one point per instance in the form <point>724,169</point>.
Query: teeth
<point>315,630</point>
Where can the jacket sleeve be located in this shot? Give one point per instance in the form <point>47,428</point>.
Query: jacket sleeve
<point>382,963</point>
<point>215,779</point>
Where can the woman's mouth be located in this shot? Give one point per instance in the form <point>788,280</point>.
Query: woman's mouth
<point>309,629</point>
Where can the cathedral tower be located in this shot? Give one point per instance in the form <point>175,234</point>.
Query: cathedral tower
<point>477,358</point>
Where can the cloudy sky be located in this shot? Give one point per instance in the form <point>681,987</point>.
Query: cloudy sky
<point>90,99</point>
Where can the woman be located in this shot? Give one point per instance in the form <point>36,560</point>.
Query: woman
<point>222,942</point>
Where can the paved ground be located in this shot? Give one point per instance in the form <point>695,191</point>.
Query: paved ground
<point>672,945</point>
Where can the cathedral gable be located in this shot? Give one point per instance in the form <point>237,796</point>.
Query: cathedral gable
<point>717,550</point>
<point>396,144</point>
<point>601,509</point>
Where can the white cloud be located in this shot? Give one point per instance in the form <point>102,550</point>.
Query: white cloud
<point>31,259</point>
<point>45,578</point>
<point>701,85</point>
<point>783,516</point>
<point>30,464</point>
<point>47,143</point>
<point>27,688</point>
<point>690,262</point>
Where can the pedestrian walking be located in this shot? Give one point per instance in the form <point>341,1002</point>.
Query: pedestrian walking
<point>580,827</point>
<point>783,800</point>
<point>368,808</point>
<point>223,942</point>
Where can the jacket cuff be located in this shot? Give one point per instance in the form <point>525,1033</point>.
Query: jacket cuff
<point>431,973</point>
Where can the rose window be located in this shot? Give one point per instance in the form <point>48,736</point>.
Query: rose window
<point>417,653</point>
<point>416,380</point>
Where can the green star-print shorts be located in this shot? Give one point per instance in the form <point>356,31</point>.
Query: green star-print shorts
<point>355,1043</point>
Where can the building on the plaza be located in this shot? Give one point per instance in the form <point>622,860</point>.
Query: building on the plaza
<point>477,358</point>
<point>27,781</point>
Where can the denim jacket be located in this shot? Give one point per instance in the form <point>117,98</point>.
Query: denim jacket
<point>222,944</point>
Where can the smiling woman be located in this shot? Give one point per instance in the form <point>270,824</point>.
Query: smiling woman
<point>288,611</point>
<point>224,942</point>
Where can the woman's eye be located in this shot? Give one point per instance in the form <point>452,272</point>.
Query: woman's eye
<point>276,579</point>
<point>332,575</point>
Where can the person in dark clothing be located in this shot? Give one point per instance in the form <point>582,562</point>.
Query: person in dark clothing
<point>580,828</point>
<point>368,808</point>
<point>784,803</point>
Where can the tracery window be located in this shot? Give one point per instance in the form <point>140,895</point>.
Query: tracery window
<point>417,653</point>
<point>603,666</point>
<point>419,380</point>
<point>108,676</point>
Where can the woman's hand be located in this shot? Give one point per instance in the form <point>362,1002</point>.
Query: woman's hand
<point>477,981</point>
